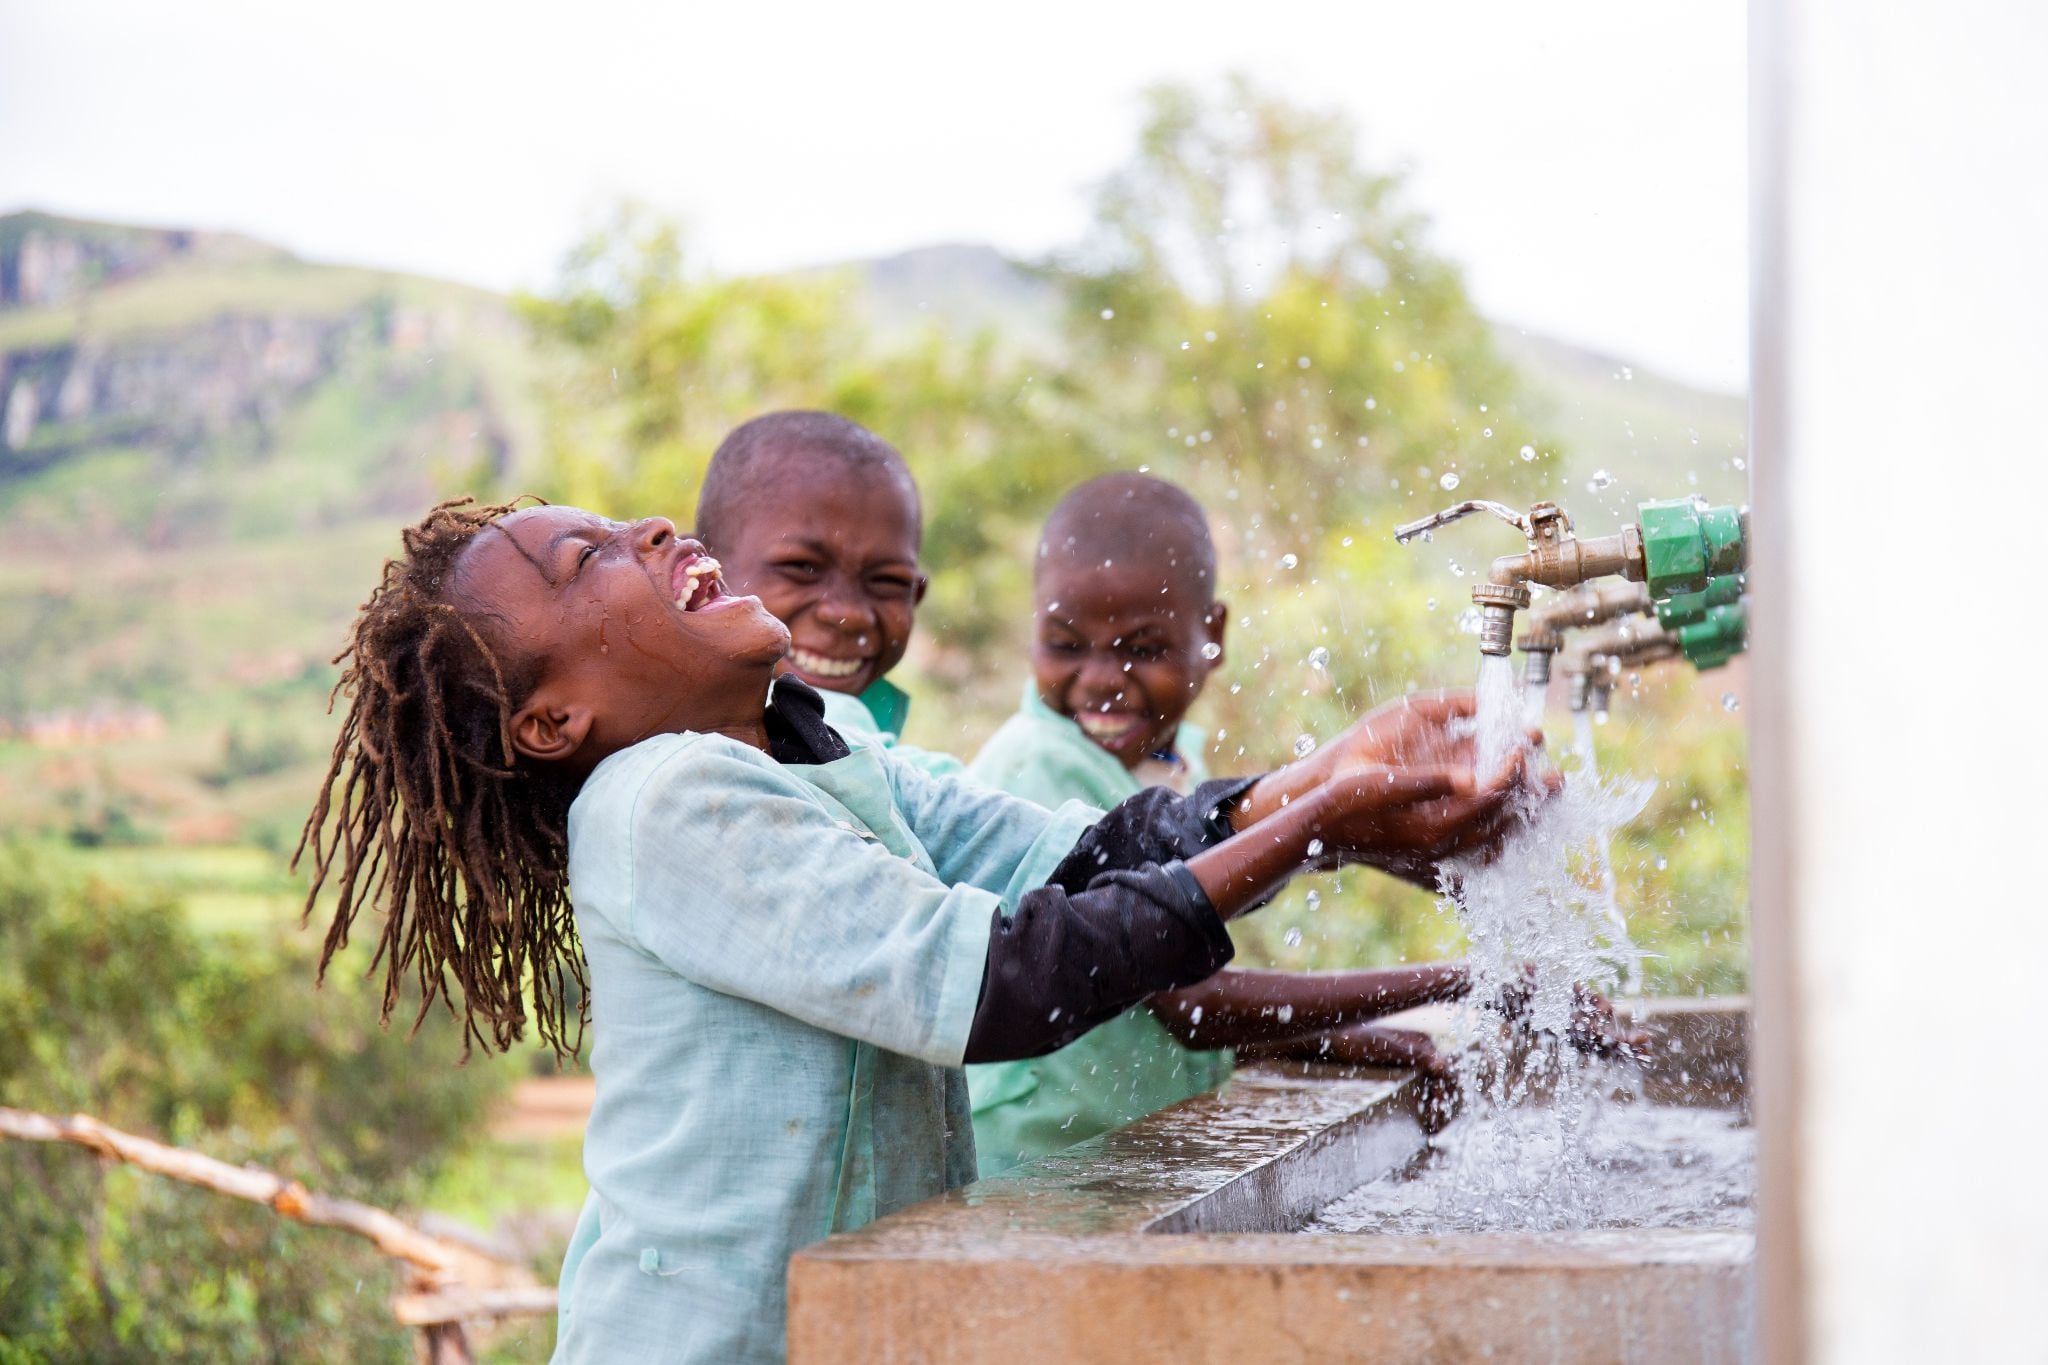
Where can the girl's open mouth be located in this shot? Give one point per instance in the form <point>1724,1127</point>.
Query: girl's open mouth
<point>695,582</point>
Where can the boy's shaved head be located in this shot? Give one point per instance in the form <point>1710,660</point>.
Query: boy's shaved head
<point>779,446</point>
<point>819,518</point>
<point>1132,519</point>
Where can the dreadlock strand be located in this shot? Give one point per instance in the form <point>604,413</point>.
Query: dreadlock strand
<point>428,811</point>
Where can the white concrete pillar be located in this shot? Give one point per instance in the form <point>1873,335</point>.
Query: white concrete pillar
<point>1900,373</point>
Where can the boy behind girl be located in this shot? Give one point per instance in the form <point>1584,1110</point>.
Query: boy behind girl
<point>1127,631</point>
<point>820,518</point>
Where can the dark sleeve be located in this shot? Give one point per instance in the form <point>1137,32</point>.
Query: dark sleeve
<point>1064,963</point>
<point>1156,826</point>
<point>1119,919</point>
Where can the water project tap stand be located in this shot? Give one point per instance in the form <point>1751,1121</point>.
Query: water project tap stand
<point>1673,548</point>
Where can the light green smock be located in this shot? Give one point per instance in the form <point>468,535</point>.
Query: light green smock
<point>1130,1066</point>
<point>784,965</point>
<point>876,717</point>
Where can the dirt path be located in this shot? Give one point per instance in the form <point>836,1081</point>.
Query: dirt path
<point>546,1107</point>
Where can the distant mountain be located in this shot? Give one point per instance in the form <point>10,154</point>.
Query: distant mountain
<point>205,442</point>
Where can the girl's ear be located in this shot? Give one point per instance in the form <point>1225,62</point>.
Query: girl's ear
<point>924,582</point>
<point>548,731</point>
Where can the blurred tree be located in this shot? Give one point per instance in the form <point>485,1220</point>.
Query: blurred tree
<point>112,1007</point>
<point>656,363</point>
<point>1255,303</point>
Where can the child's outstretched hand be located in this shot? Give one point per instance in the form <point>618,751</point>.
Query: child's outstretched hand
<point>1423,732</point>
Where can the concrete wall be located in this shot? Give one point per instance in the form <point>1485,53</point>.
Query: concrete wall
<point>1900,157</point>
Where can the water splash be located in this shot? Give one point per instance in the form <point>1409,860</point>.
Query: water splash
<point>1652,1166</point>
<point>1541,920</point>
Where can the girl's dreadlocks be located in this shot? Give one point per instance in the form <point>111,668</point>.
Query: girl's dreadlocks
<point>437,815</point>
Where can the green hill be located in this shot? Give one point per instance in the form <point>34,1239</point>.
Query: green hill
<point>206,444</point>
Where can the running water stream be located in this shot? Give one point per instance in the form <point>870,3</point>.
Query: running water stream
<point>1541,919</point>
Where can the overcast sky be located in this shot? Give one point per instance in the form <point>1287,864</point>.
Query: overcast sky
<point>1582,158</point>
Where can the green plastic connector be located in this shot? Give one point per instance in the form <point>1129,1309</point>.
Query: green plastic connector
<point>1686,542</point>
<point>1690,608</point>
<point>1713,641</point>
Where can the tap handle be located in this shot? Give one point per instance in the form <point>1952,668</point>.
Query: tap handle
<point>1518,520</point>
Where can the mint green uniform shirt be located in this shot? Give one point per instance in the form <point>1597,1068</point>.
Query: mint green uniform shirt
<point>876,717</point>
<point>1131,1065</point>
<point>784,965</point>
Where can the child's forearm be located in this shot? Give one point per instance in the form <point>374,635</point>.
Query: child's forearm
<point>1271,845</point>
<point>1359,1045</point>
<point>1245,1008</point>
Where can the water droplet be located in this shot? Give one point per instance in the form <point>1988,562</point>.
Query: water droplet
<point>1285,1014</point>
<point>1601,480</point>
<point>1486,431</point>
<point>1184,345</point>
<point>1730,702</point>
<point>1314,900</point>
<point>1319,657</point>
<point>1469,621</point>
<point>1448,482</point>
<point>1315,848</point>
<point>1108,313</point>
<point>1212,651</point>
<point>1292,938</point>
<point>1528,454</point>
<point>1662,862</point>
<point>1457,569</point>
<point>1288,561</point>
<point>1195,1015</point>
<point>1304,745</point>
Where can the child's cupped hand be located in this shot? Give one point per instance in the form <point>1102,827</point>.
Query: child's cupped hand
<point>1375,772</point>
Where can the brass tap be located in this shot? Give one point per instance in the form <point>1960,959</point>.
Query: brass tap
<point>1592,660</point>
<point>1555,558</point>
<point>1589,604</point>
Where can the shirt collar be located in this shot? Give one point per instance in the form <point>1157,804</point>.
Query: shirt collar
<point>797,732</point>
<point>888,704</point>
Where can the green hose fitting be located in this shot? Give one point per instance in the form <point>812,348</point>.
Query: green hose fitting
<point>1686,542</point>
<point>1718,637</point>
<point>1690,608</point>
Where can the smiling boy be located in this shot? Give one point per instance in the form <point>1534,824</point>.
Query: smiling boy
<point>820,518</point>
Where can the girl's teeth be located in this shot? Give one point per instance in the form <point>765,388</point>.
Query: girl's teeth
<point>698,569</point>
<point>1106,725</point>
<point>822,666</point>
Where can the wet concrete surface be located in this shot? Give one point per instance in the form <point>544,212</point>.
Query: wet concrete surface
<point>1067,1258</point>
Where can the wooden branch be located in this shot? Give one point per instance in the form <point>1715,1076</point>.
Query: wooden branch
<point>471,1305</point>
<point>445,1273</point>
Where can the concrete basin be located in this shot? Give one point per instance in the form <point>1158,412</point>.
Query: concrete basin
<point>1175,1239</point>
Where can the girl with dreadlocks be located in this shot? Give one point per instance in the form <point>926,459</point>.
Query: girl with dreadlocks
<point>790,947</point>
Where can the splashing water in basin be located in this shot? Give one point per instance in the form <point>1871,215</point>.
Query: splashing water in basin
<point>1645,1166</point>
<point>1541,918</point>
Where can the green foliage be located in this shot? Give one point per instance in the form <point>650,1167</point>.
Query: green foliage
<point>657,364</point>
<point>110,1006</point>
<point>1253,297</point>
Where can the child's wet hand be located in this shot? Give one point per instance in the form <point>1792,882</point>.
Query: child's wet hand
<point>1596,1031</point>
